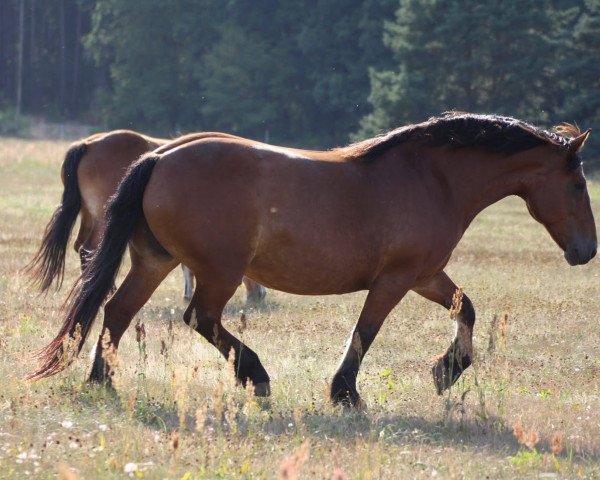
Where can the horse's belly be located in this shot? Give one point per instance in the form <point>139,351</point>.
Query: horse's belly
<point>309,272</point>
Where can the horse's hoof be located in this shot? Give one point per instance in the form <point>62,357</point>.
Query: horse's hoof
<point>360,406</point>
<point>101,377</point>
<point>105,384</point>
<point>441,378</point>
<point>262,389</point>
<point>350,406</point>
<point>348,401</point>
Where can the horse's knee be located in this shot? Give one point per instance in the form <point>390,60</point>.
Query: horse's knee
<point>194,318</point>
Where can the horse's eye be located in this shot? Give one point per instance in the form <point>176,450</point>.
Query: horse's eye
<point>579,187</point>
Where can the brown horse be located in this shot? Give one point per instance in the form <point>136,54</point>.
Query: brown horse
<point>382,215</point>
<point>91,172</point>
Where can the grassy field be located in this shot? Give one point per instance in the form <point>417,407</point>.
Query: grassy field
<point>527,409</point>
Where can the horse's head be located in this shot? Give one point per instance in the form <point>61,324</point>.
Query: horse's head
<point>557,197</point>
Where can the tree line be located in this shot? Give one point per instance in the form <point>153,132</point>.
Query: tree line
<point>310,73</point>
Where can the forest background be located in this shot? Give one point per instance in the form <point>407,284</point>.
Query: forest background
<point>314,73</point>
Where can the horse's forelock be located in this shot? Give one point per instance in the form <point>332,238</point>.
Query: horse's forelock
<point>567,130</point>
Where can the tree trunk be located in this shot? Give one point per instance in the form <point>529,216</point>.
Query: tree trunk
<point>63,59</point>
<point>76,65</point>
<point>20,57</point>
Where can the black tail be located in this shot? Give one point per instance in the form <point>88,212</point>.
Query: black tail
<point>122,215</point>
<point>48,265</point>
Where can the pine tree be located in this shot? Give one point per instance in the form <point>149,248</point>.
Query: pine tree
<point>494,57</point>
<point>579,73</point>
<point>138,41</point>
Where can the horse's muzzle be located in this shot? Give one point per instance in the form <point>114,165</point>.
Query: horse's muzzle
<point>581,252</point>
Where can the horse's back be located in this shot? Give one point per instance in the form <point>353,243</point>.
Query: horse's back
<point>243,175</point>
<point>121,143</point>
<point>191,137</point>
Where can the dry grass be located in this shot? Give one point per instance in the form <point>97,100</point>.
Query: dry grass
<point>527,409</point>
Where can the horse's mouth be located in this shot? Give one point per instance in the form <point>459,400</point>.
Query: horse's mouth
<point>576,255</point>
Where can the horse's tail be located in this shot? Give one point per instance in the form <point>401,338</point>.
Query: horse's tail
<point>48,265</point>
<point>122,215</point>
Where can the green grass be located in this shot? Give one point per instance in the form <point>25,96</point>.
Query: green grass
<point>177,415</point>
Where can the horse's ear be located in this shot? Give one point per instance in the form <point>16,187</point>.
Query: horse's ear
<point>576,144</point>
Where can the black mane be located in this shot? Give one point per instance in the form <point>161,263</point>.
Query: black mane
<point>494,133</point>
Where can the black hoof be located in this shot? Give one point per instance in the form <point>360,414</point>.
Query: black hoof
<point>446,373</point>
<point>248,367</point>
<point>262,389</point>
<point>105,382</point>
<point>343,392</point>
<point>101,374</point>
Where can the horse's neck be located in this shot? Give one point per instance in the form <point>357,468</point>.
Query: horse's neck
<point>479,180</point>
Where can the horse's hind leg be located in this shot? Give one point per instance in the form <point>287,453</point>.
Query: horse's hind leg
<point>449,367</point>
<point>255,292</point>
<point>188,278</point>
<point>89,236</point>
<point>145,276</point>
<point>204,315</point>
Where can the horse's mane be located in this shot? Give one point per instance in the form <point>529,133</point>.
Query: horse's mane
<point>495,133</point>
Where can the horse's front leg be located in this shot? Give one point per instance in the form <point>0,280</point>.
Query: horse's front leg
<point>383,296</point>
<point>449,367</point>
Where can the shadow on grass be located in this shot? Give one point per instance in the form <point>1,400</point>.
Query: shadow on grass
<point>491,434</point>
<point>232,311</point>
<point>237,305</point>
